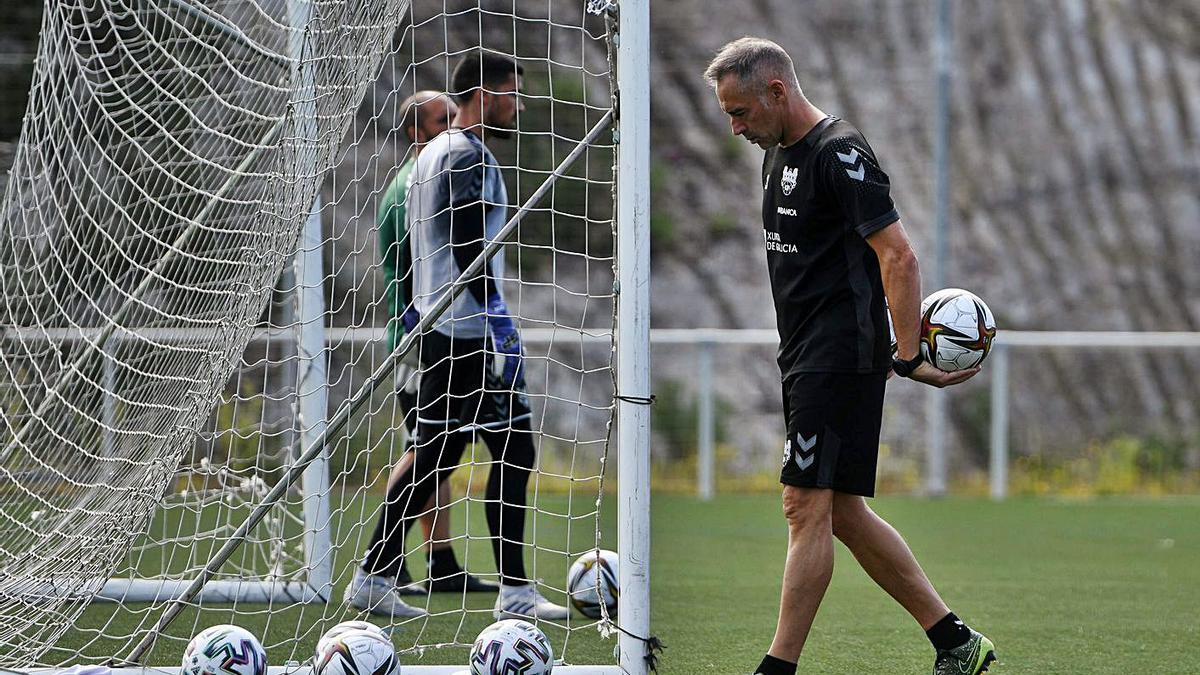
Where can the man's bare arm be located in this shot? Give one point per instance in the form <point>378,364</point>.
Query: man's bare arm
<point>902,285</point>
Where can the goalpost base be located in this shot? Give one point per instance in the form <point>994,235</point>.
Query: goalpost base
<point>295,669</point>
<point>214,592</point>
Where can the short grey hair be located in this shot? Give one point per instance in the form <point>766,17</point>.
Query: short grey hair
<point>754,62</point>
<point>410,106</point>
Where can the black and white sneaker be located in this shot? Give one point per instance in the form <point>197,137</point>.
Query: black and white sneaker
<point>406,586</point>
<point>524,602</point>
<point>378,595</point>
<point>462,582</point>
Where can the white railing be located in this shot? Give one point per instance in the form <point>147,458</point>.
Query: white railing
<point>706,340</point>
<point>997,365</point>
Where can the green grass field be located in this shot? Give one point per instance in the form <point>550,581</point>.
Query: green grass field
<point>1100,586</point>
<point>1106,586</point>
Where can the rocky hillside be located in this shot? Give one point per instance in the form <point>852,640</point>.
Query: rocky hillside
<point>1076,206</point>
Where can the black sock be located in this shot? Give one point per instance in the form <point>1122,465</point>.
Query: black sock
<point>442,563</point>
<point>773,666</point>
<point>949,633</point>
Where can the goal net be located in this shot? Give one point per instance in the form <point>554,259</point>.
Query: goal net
<point>203,359</point>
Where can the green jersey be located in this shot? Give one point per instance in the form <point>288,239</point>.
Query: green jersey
<point>394,249</point>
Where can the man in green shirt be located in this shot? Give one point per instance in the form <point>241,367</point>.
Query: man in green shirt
<point>425,115</point>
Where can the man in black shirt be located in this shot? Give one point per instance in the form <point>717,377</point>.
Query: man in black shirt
<point>835,250</point>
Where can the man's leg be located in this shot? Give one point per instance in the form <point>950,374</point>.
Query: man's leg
<point>513,454</point>
<point>434,521</point>
<point>444,573</point>
<point>373,586</point>
<point>408,493</point>
<point>808,568</point>
<point>506,497</point>
<point>886,558</point>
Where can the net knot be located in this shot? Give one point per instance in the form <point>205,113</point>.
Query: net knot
<point>654,646</point>
<point>598,7</point>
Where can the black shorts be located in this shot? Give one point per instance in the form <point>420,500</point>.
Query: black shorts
<point>833,422</point>
<point>458,390</point>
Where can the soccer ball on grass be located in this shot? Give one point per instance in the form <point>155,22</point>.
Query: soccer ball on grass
<point>340,630</point>
<point>224,650</point>
<point>511,646</point>
<point>357,652</point>
<point>592,583</point>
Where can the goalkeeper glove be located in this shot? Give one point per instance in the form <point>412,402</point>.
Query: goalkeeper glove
<point>506,342</point>
<point>410,319</point>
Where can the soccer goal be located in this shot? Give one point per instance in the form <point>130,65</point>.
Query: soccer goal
<point>199,392</point>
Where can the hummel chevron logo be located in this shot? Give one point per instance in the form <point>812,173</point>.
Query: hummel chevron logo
<point>805,446</point>
<point>860,171</point>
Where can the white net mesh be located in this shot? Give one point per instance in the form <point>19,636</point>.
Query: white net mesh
<point>165,328</point>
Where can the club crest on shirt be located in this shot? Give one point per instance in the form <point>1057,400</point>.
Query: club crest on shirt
<point>788,180</point>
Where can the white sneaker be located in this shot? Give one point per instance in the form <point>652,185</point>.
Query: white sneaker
<point>524,602</point>
<point>378,595</point>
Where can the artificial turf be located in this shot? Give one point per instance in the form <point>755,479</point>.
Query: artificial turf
<point>1099,586</point>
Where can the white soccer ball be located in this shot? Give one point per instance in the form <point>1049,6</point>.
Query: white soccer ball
<point>357,652</point>
<point>957,329</point>
<point>224,650</point>
<point>340,630</point>
<point>592,583</point>
<point>511,646</point>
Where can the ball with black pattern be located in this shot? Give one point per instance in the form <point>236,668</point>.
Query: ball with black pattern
<point>511,647</point>
<point>224,649</point>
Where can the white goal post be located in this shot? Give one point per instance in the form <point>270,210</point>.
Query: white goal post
<point>195,198</point>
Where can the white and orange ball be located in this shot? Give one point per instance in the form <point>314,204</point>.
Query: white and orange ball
<point>957,329</point>
<point>341,629</point>
<point>358,652</point>
<point>593,584</point>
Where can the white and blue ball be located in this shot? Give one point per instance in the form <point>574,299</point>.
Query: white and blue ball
<point>511,647</point>
<point>357,652</point>
<point>593,583</point>
<point>224,650</point>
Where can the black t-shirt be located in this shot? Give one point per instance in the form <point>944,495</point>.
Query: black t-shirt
<point>822,197</point>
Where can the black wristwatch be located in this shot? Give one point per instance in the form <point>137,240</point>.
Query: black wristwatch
<point>905,368</point>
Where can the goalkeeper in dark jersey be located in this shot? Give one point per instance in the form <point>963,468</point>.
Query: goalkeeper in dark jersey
<point>835,249</point>
<point>471,371</point>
